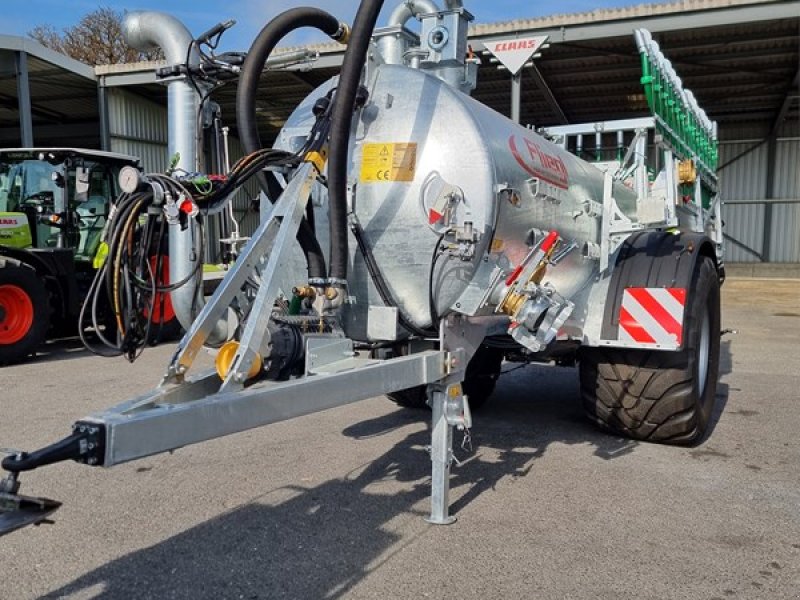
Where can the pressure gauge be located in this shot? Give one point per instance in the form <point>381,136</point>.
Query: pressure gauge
<point>129,178</point>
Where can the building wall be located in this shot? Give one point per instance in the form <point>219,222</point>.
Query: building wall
<point>758,228</point>
<point>761,228</point>
<point>138,127</point>
<point>245,211</point>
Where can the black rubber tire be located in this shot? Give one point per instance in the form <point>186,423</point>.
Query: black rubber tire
<point>415,397</point>
<point>482,374</point>
<point>165,332</point>
<point>25,278</point>
<point>479,382</point>
<point>656,395</point>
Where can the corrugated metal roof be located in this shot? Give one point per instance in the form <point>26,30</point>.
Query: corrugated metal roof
<point>638,11</point>
<point>64,103</point>
<point>739,71</point>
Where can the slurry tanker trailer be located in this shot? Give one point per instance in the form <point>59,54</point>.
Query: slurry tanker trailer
<point>416,239</point>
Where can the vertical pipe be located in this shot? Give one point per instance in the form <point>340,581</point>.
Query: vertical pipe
<point>145,30</point>
<point>516,97</point>
<point>183,103</point>
<point>105,124</point>
<point>24,99</point>
<point>598,146</point>
<point>640,158</point>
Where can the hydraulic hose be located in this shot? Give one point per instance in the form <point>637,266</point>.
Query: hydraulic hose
<point>259,52</point>
<point>342,120</point>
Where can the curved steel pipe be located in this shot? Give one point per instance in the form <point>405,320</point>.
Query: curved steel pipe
<point>392,47</point>
<point>410,9</point>
<point>146,30</point>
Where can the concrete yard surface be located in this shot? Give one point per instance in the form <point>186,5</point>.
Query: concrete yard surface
<point>332,505</point>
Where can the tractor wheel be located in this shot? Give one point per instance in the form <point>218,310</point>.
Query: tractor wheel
<point>24,311</point>
<point>660,396</point>
<point>479,382</point>
<point>164,324</point>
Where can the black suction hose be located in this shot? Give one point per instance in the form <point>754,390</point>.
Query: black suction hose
<point>342,119</point>
<point>262,47</point>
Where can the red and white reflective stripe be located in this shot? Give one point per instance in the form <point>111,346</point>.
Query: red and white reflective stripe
<point>652,316</point>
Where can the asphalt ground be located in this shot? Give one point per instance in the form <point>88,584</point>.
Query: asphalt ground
<point>332,505</point>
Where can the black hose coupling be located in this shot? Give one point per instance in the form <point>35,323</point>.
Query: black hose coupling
<point>86,445</point>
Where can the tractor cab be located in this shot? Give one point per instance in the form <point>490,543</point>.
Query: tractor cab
<point>57,198</point>
<point>54,206</point>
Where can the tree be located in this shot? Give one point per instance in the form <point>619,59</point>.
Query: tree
<point>96,40</point>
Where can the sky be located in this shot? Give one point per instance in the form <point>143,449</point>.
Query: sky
<point>20,16</point>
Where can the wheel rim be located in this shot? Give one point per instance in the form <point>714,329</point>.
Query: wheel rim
<point>163,312</point>
<point>704,350</point>
<point>16,314</point>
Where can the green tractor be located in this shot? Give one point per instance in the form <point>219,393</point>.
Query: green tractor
<point>54,207</point>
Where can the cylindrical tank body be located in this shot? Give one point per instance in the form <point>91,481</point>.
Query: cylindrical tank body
<point>418,132</point>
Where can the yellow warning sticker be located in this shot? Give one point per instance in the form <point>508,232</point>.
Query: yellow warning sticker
<point>388,162</point>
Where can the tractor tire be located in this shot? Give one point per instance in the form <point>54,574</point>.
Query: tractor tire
<point>479,382</point>
<point>24,311</point>
<point>164,324</point>
<point>168,331</point>
<point>660,396</point>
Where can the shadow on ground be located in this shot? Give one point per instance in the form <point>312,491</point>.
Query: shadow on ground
<point>60,349</point>
<point>324,540</point>
<point>69,348</point>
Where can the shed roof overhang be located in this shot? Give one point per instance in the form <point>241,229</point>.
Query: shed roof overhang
<point>62,93</point>
<point>739,57</point>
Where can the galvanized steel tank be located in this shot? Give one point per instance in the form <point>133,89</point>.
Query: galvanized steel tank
<point>494,162</point>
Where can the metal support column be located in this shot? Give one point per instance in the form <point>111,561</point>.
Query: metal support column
<point>769,190</point>
<point>105,125</point>
<point>516,96</point>
<point>24,99</point>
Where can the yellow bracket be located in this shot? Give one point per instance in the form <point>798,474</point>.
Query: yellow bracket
<point>687,172</point>
<point>318,159</point>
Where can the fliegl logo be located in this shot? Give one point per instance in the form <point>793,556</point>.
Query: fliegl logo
<point>539,163</point>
